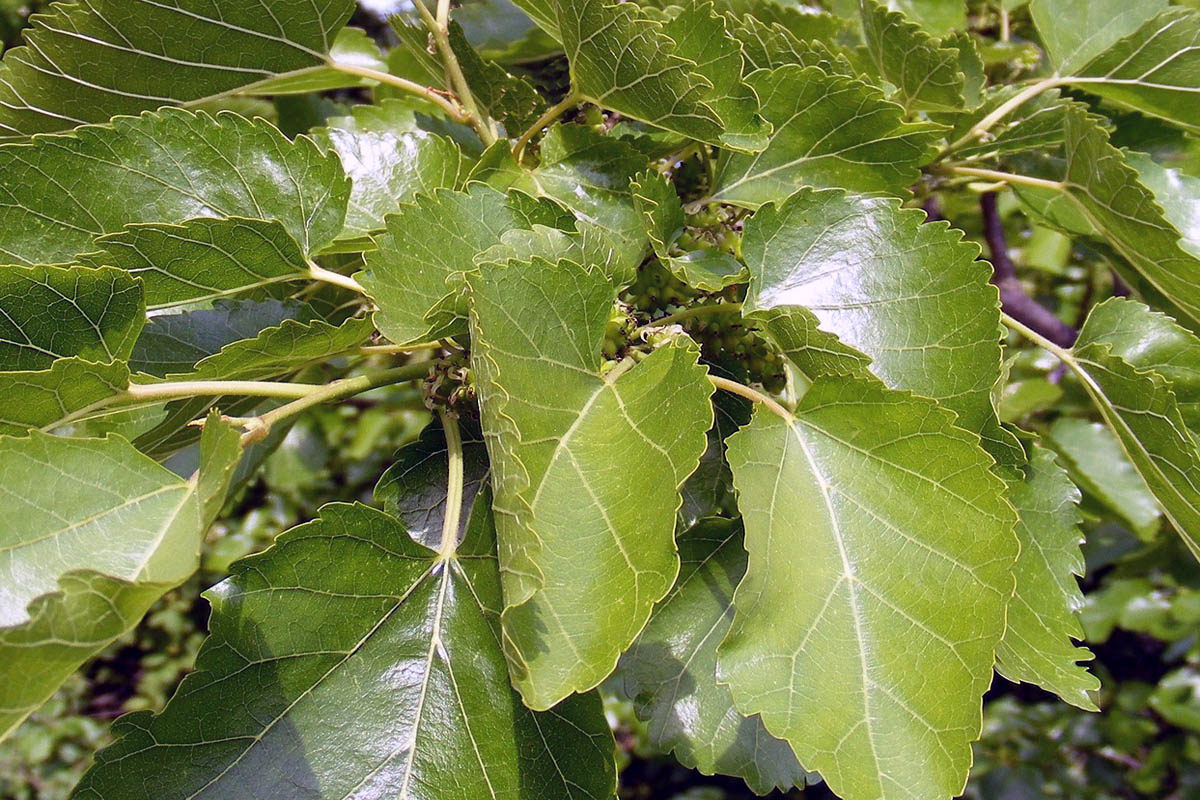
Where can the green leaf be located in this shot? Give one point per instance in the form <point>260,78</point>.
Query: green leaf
<point>586,473</point>
<point>387,679</point>
<point>589,174</point>
<point>1074,32</point>
<point>1154,70</point>
<point>926,74</point>
<point>95,533</point>
<point>1100,192</point>
<point>1042,616</point>
<point>795,331</point>
<point>390,159</point>
<point>587,244</point>
<point>351,47</point>
<point>500,95</point>
<point>700,36</point>
<point>1141,408</point>
<point>1098,464</point>
<point>1149,340</point>
<point>656,202</point>
<point>883,509</point>
<point>770,45</point>
<point>830,130</point>
<point>39,399</point>
<point>912,296</point>
<point>414,487</point>
<point>938,17</point>
<point>417,274</point>
<point>670,672</point>
<point>62,191</point>
<point>622,59</point>
<point>202,259</point>
<point>1176,192</point>
<point>174,343</point>
<point>50,312</point>
<point>87,62</point>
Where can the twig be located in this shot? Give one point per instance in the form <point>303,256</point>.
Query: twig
<point>688,313</point>
<point>440,28</point>
<point>452,109</point>
<point>753,395</point>
<point>1013,299</point>
<point>549,115</point>
<point>336,278</point>
<point>258,427</point>
<point>454,485</point>
<point>1009,177</point>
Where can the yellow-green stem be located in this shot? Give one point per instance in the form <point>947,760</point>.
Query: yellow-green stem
<point>454,485</point>
<point>258,427</point>
<point>452,109</point>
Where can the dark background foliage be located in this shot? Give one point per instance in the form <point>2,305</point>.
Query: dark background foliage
<point>1142,611</point>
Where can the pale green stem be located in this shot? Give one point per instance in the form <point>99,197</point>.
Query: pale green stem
<point>337,279</point>
<point>458,81</point>
<point>1009,178</point>
<point>1002,111</point>
<point>688,313</point>
<point>171,390</point>
<point>258,427</point>
<point>454,485</point>
<point>452,109</point>
<point>549,115</point>
<point>753,395</point>
<point>396,349</point>
<point>1041,341</point>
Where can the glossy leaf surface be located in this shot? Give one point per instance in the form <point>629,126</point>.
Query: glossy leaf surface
<point>391,679</point>
<point>830,130</point>
<point>910,295</point>
<point>87,62</point>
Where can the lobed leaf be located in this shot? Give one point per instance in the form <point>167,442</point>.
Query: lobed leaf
<point>700,36</point>
<point>622,59</point>
<point>417,274</point>
<point>589,174</point>
<point>926,74</point>
<point>390,160</point>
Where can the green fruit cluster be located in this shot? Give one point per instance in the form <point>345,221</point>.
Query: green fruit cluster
<point>657,293</point>
<point>714,227</point>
